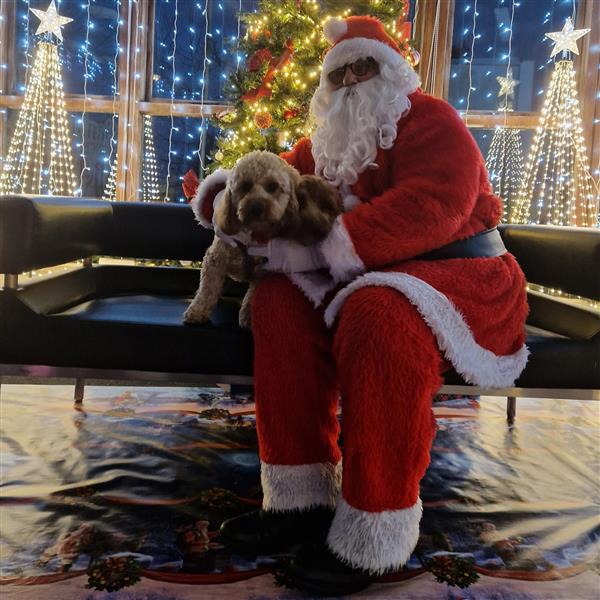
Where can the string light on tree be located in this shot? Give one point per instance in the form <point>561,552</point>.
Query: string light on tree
<point>505,156</point>
<point>557,187</point>
<point>110,189</point>
<point>39,159</point>
<point>149,191</point>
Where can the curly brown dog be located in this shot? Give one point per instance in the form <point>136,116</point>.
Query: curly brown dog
<point>264,195</point>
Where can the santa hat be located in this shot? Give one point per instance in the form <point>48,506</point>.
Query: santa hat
<point>358,37</point>
<point>205,194</point>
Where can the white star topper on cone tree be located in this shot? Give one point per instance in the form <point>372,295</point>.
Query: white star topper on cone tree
<point>557,187</point>
<point>39,159</point>
<point>566,40</point>
<point>50,21</point>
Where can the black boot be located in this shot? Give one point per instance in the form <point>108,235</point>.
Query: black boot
<point>318,571</point>
<point>268,532</point>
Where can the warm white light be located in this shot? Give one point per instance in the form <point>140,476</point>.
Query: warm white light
<point>39,159</point>
<point>557,187</point>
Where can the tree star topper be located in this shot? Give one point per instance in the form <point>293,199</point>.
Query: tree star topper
<point>50,21</point>
<point>507,84</point>
<point>566,39</point>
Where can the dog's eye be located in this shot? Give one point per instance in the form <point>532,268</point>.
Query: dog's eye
<point>271,186</point>
<point>245,187</point>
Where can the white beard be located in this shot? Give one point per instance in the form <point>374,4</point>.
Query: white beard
<point>352,122</point>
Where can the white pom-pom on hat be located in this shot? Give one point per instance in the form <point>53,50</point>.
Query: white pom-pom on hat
<point>334,29</point>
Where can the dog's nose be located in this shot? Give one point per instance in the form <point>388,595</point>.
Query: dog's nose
<point>255,210</point>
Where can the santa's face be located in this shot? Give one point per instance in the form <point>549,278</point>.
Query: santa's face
<point>354,119</point>
<point>352,73</point>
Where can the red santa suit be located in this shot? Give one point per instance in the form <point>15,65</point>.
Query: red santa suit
<point>383,338</point>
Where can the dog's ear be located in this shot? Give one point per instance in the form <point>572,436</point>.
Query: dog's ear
<point>226,217</point>
<point>319,205</point>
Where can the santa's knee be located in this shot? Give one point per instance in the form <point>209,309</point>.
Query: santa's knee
<point>378,326</point>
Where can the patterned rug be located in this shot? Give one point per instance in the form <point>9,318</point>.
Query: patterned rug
<point>123,498</point>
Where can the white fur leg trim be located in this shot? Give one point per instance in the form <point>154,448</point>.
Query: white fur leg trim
<point>299,487</point>
<point>206,191</point>
<point>374,541</point>
<point>474,362</point>
<point>340,255</point>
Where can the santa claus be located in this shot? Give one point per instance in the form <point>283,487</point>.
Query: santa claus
<point>419,280</point>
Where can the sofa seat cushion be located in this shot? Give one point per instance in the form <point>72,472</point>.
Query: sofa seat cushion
<point>555,361</point>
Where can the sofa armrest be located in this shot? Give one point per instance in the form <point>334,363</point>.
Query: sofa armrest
<point>565,258</point>
<point>43,231</point>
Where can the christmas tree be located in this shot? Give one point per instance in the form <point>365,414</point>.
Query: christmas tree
<point>557,187</point>
<point>284,44</point>
<point>150,192</point>
<point>39,158</point>
<point>505,157</point>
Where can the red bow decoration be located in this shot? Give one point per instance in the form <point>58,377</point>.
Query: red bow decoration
<point>275,64</point>
<point>258,58</point>
<point>190,184</point>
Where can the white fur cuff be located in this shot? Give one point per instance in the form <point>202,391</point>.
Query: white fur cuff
<point>340,255</point>
<point>205,192</point>
<point>300,487</point>
<point>374,541</point>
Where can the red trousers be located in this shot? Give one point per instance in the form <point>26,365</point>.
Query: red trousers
<point>381,358</point>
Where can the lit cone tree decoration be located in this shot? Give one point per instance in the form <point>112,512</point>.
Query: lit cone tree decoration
<point>150,192</point>
<point>557,187</point>
<point>39,159</point>
<point>284,45</point>
<point>505,156</point>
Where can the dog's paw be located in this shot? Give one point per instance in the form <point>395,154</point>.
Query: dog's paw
<point>195,316</point>
<point>244,319</point>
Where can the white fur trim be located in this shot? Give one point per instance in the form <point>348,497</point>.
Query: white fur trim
<point>299,487</point>
<point>334,29</point>
<point>219,177</point>
<point>350,201</point>
<point>374,541</point>
<point>313,285</point>
<point>338,250</point>
<point>474,362</point>
<point>347,51</point>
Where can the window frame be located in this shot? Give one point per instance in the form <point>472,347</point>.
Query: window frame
<point>135,100</point>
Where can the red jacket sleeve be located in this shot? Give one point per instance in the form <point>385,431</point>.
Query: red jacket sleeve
<point>435,182</point>
<point>300,157</point>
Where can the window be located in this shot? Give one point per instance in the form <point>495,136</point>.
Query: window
<point>146,96</point>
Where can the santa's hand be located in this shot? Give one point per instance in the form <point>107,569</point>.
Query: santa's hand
<point>286,256</point>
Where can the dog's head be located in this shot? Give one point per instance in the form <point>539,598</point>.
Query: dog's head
<point>260,195</point>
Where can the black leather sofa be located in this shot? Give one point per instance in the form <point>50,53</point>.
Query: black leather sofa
<point>118,323</point>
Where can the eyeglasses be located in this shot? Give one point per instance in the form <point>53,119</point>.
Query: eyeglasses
<point>359,67</point>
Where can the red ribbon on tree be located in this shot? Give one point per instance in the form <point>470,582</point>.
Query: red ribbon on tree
<point>276,64</point>
<point>403,25</point>
<point>258,58</point>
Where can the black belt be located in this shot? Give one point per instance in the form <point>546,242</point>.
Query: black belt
<point>485,244</point>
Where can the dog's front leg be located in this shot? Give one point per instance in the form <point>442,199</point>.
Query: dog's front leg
<point>245,318</point>
<point>212,280</point>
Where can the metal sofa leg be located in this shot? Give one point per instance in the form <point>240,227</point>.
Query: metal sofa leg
<point>511,409</point>
<point>79,389</point>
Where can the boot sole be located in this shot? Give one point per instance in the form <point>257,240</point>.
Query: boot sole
<point>326,588</point>
<point>246,550</point>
